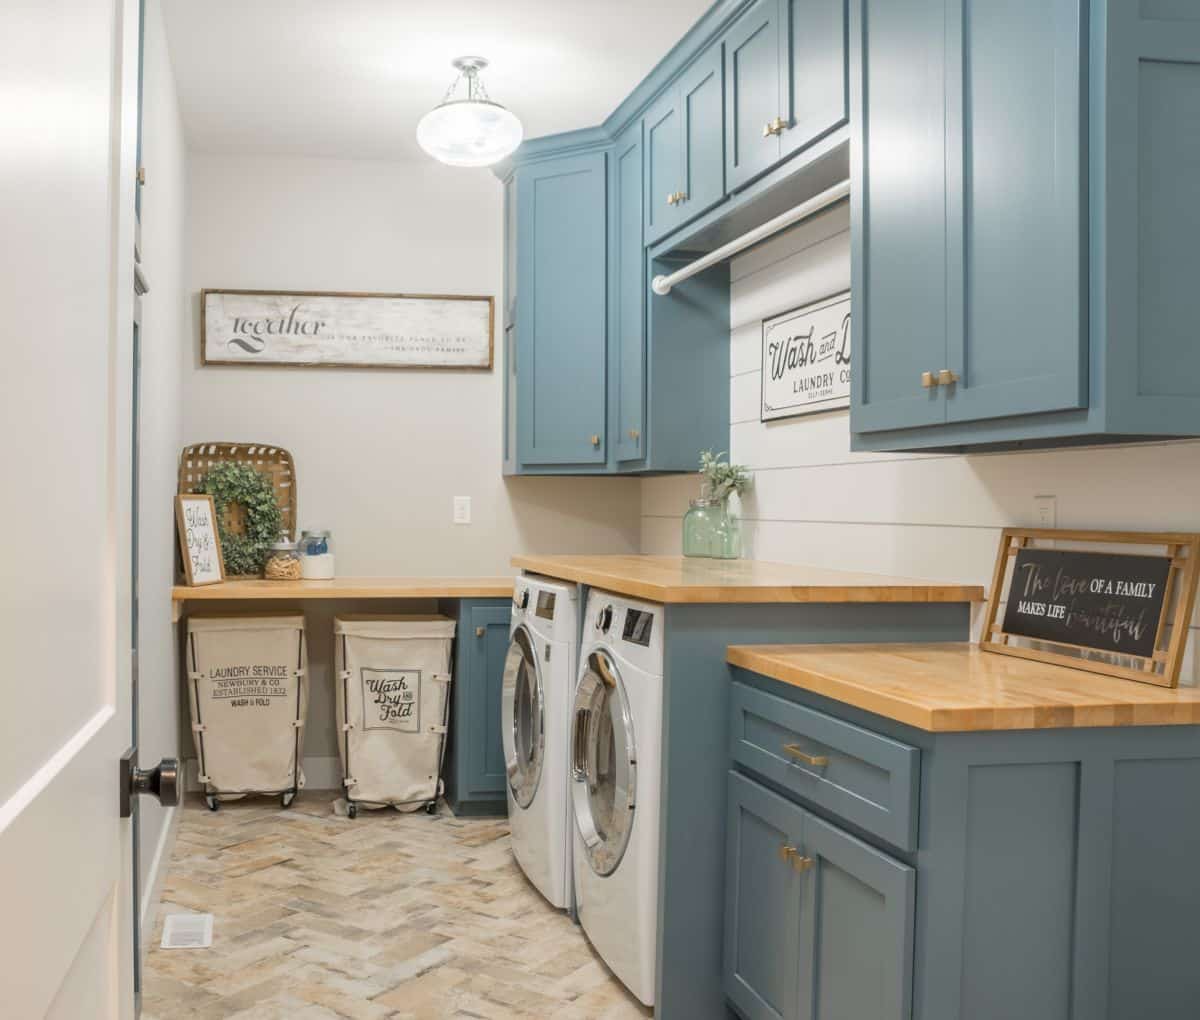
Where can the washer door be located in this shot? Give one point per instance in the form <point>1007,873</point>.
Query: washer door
<point>603,764</point>
<point>523,718</point>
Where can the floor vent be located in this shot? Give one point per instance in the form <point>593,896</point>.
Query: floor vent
<point>187,931</point>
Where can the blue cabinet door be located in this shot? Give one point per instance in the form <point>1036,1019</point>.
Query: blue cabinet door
<point>487,641</point>
<point>628,356</point>
<point>814,38</point>
<point>856,941</point>
<point>762,901</point>
<point>752,94</point>
<point>702,121</point>
<point>897,212</point>
<point>562,319</point>
<point>664,165</point>
<point>1016,195</point>
<point>510,250</point>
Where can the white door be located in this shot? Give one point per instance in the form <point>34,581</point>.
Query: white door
<point>68,80</point>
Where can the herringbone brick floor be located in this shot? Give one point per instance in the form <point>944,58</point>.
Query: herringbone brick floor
<point>389,916</point>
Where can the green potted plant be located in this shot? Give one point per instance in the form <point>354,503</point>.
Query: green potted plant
<point>709,529</point>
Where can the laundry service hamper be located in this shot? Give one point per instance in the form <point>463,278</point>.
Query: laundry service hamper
<point>393,698</point>
<point>248,691</point>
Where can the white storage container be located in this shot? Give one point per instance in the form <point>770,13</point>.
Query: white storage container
<point>393,697</point>
<point>248,693</point>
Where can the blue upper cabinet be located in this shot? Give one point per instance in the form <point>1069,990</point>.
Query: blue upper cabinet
<point>785,82</point>
<point>685,148</point>
<point>754,83</point>
<point>627,364</point>
<point>1019,234</point>
<point>561,321</point>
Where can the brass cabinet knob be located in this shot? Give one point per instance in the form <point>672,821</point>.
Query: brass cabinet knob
<point>947,378</point>
<point>480,631</point>
<point>671,198</point>
<point>141,175</point>
<point>774,127</point>
<point>595,440</point>
<point>929,380</point>
<point>790,855</point>
<point>634,434</point>
<point>681,196</point>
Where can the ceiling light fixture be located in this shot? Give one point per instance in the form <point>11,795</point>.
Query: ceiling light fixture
<point>471,131</point>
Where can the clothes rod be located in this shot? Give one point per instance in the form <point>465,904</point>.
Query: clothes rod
<point>662,285</point>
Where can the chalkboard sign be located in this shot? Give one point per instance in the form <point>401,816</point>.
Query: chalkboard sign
<point>199,541</point>
<point>1133,606</point>
<point>1094,600</point>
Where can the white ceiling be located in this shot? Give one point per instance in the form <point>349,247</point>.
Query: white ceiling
<point>351,78</point>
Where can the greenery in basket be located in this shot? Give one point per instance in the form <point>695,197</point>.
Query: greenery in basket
<point>231,482</point>
<point>722,478</point>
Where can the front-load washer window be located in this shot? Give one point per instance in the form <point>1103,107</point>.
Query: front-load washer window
<point>603,764</point>
<point>523,721</point>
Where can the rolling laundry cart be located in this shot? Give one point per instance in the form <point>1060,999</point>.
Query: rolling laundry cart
<point>393,699</point>
<point>248,692</point>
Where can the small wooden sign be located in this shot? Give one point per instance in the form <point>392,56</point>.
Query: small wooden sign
<point>806,359</point>
<point>345,330</point>
<point>1129,607</point>
<point>199,540</point>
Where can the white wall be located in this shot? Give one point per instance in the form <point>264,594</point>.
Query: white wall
<point>164,340</point>
<point>379,454</point>
<point>933,516</point>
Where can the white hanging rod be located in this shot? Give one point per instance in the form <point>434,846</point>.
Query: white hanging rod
<point>662,285</point>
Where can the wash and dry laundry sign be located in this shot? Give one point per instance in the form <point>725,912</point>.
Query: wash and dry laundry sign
<point>391,699</point>
<point>806,359</point>
<point>243,327</point>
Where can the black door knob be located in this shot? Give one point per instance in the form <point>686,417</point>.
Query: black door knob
<point>162,781</point>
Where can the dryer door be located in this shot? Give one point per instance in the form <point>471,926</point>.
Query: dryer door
<point>603,763</point>
<point>523,718</point>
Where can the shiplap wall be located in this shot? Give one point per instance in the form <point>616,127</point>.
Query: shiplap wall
<point>921,515</point>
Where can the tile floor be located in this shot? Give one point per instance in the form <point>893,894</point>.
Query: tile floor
<point>389,916</point>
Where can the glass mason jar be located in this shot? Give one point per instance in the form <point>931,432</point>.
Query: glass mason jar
<point>316,554</point>
<point>709,529</point>
<point>283,562</point>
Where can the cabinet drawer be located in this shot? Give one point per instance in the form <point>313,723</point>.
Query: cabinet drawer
<point>869,780</point>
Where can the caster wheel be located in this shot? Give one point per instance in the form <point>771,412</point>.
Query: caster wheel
<point>212,803</point>
<point>287,798</point>
<point>352,811</point>
<point>431,808</point>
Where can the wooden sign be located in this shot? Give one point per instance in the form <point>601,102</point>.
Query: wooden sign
<point>199,540</point>
<point>253,327</point>
<point>806,359</point>
<point>1128,603</point>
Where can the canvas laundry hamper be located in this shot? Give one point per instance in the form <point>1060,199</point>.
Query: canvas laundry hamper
<point>248,691</point>
<point>393,698</point>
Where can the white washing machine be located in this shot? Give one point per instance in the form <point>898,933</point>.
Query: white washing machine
<point>616,752</point>
<point>535,706</point>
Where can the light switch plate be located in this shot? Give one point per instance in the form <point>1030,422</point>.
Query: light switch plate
<point>462,509</point>
<point>1045,512</point>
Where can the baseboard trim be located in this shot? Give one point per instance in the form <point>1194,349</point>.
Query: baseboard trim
<point>157,873</point>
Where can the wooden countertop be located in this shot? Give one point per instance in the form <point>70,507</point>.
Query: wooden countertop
<point>682,579</point>
<point>257,589</point>
<point>958,687</point>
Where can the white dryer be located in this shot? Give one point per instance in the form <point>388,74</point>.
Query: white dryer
<point>535,708</point>
<point>616,752</point>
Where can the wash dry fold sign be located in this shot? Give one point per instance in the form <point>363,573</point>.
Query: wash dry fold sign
<point>806,359</point>
<point>241,327</point>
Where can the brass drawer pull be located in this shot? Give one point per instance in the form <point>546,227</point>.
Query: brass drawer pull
<point>797,753</point>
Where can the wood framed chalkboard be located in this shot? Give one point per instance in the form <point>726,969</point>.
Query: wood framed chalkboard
<point>1112,602</point>
<point>199,540</point>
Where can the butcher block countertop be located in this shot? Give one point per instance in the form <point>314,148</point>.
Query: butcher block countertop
<point>257,589</point>
<point>682,579</point>
<point>958,687</point>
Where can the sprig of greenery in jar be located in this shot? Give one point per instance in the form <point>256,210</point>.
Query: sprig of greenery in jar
<point>721,478</point>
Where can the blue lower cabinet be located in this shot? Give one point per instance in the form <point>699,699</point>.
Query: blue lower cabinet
<point>818,925</point>
<point>475,777</point>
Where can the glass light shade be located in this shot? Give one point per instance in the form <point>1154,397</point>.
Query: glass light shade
<point>469,132</point>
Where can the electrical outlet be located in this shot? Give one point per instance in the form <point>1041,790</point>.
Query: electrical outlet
<point>462,509</point>
<point>1045,512</point>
